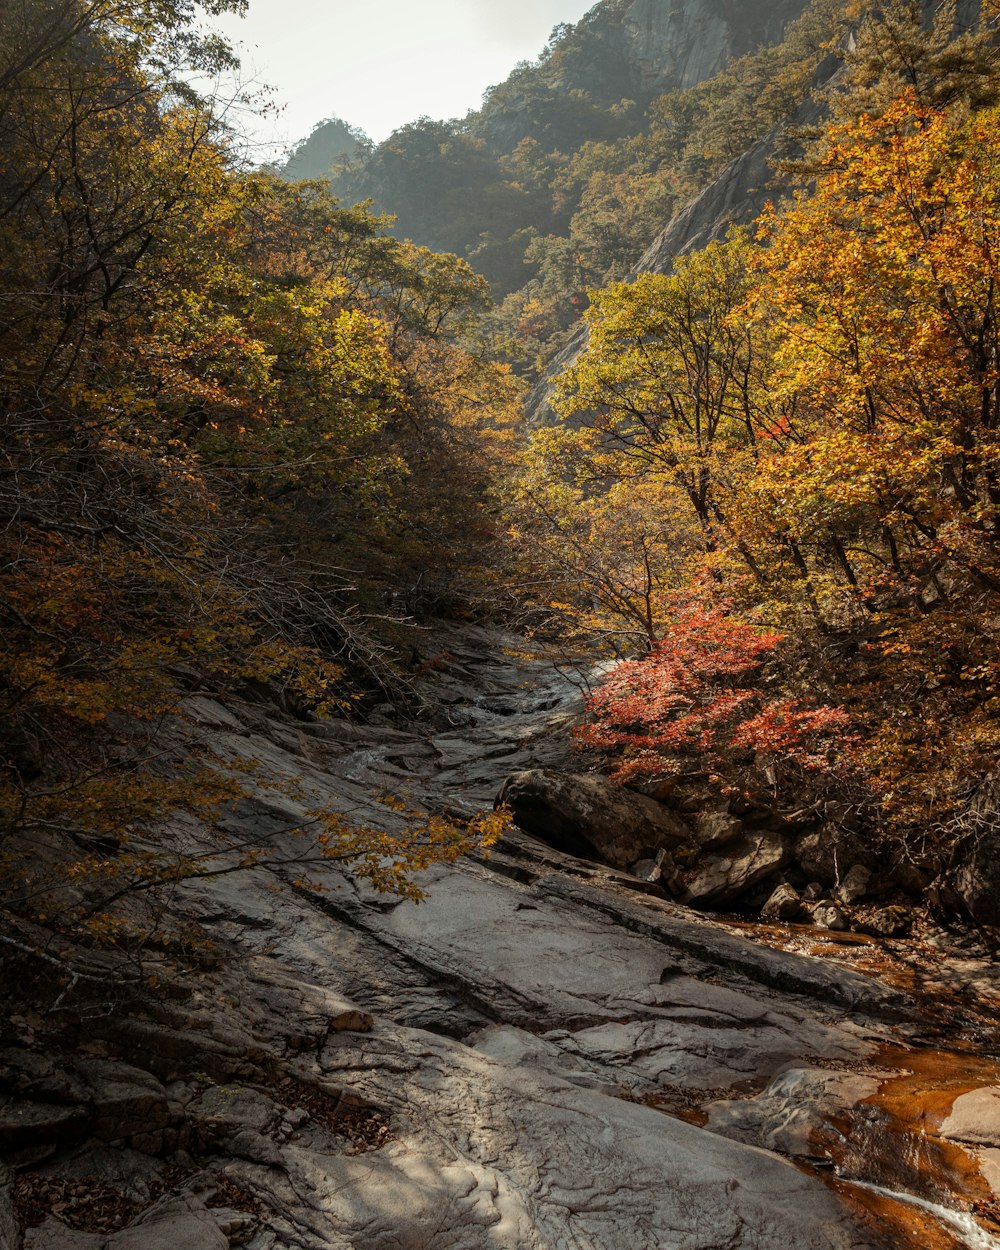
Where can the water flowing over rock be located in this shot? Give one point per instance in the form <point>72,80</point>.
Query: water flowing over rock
<point>513,1065</point>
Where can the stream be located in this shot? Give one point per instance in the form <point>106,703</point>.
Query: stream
<point>555,1057</point>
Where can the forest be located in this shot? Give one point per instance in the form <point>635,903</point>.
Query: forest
<point>673,700</point>
<point>253,438</point>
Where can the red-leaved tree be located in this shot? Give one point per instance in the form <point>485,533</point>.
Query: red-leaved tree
<point>702,703</point>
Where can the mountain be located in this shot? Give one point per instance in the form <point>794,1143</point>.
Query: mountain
<point>495,186</point>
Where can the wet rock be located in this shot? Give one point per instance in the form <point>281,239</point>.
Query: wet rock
<point>975,1118</point>
<point>746,864</point>
<point>784,904</point>
<point>827,915</point>
<point>813,892</point>
<point>792,1112</point>
<point>588,815</point>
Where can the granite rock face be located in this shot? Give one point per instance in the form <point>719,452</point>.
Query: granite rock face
<point>586,814</point>
<point>489,1070</point>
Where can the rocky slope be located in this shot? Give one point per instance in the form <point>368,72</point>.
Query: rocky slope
<point>544,1054</point>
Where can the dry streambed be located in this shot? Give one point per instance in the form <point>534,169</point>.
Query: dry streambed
<point>543,1055</point>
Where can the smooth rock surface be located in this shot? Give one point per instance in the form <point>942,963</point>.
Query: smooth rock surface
<point>975,1118</point>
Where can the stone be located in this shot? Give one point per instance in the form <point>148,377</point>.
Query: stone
<point>53,1234</point>
<point>784,904</point>
<point>854,884</point>
<point>889,922</point>
<point>827,915</point>
<point>828,854</point>
<point>10,1235</point>
<point>715,829</point>
<point>976,872</point>
<point>589,816</point>
<point>172,1224</point>
<point>127,1102</point>
<point>989,1167</point>
<point>793,1112</point>
<point>975,1118</point>
<point>724,879</point>
<point>35,1126</point>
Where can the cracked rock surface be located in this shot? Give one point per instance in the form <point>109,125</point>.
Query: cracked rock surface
<point>544,1055</point>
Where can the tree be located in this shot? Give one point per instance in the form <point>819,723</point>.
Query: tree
<point>701,705</point>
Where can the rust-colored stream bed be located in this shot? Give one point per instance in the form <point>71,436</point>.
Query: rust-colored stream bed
<point>886,1155</point>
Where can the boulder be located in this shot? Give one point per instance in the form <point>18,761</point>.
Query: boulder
<point>784,904</point>
<point>827,915</point>
<point>716,829</point>
<point>854,884</point>
<point>172,1224</point>
<point>723,879</point>
<point>889,922</point>
<point>590,816</point>
<point>975,1118</point>
<point>976,876</point>
<point>829,853</point>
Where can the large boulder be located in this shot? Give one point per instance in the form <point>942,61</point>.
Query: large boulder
<point>727,876</point>
<point>976,875</point>
<point>588,815</point>
<point>829,853</point>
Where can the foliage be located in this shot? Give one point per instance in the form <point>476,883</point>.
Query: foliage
<point>227,405</point>
<point>811,421</point>
<point>573,165</point>
<point>699,703</point>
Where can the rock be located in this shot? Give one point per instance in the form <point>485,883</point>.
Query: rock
<point>172,1224</point>
<point>587,815</point>
<point>53,1234</point>
<point>854,884</point>
<point>989,1167</point>
<point>715,829</point>
<point>792,1113</point>
<point>828,854</point>
<point>746,864</point>
<point>813,892</point>
<point>784,904</point>
<point>889,922</point>
<point>646,870</point>
<point>976,875</point>
<point>975,1118</point>
<point>10,1235</point>
<point>827,915</point>
<point>126,1101</point>
<point>39,1127</point>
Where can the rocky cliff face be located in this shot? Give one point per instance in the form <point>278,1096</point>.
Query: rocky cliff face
<point>680,44</point>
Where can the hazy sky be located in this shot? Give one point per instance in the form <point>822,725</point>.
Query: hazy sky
<point>381,63</point>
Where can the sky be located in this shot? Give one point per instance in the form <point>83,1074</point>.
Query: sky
<point>381,64</point>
